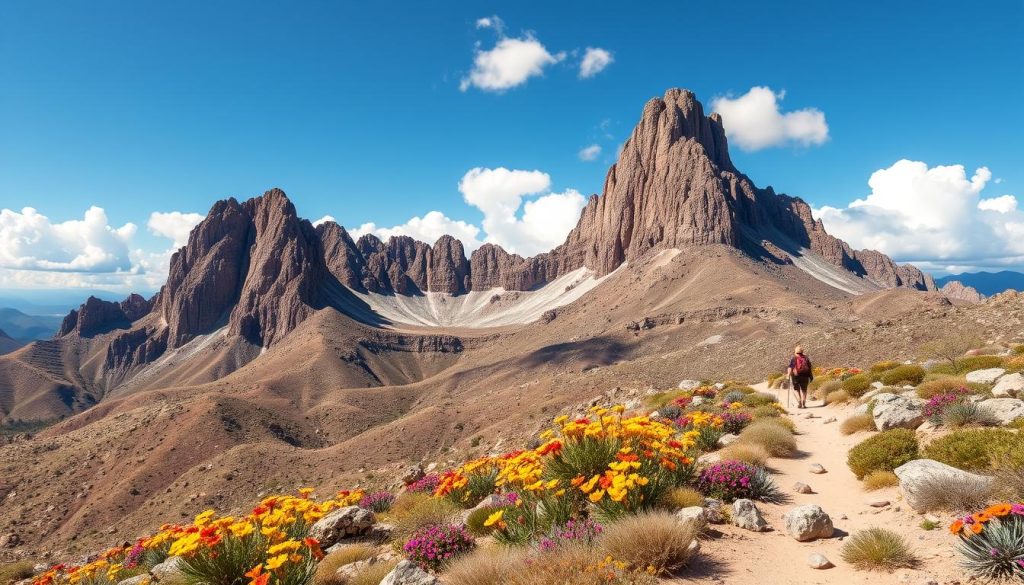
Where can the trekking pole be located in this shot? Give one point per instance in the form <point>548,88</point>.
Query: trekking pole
<point>792,387</point>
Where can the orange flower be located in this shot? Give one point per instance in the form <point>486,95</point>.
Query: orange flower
<point>977,527</point>
<point>981,516</point>
<point>257,576</point>
<point>314,547</point>
<point>998,510</point>
<point>956,527</point>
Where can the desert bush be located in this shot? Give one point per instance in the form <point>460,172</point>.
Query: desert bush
<point>878,549</point>
<point>822,392</point>
<point>882,452</point>
<point>327,568</point>
<point>733,396</point>
<point>1010,483</point>
<point>818,382</point>
<point>484,566</point>
<point>937,386</point>
<point>734,422</point>
<point>733,480</point>
<point>751,453</point>
<point>969,364</point>
<point>837,397</point>
<point>765,412</point>
<point>670,411</point>
<point>786,423</point>
<point>965,413</point>
<point>950,350</point>
<point>707,437</point>
<point>877,480</point>
<point>432,547</point>
<point>856,386</point>
<point>16,571</point>
<point>774,437</point>
<point>650,541</point>
<point>682,497</point>
<point>758,399</point>
<point>858,423</point>
<point>1015,363</point>
<point>884,366</point>
<point>992,543</point>
<point>903,375</point>
<point>952,493</point>
<point>373,574</point>
<point>412,511</point>
<point>976,449</point>
<point>1017,423</point>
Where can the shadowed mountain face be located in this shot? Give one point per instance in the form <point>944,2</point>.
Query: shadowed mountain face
<point>253,271</point>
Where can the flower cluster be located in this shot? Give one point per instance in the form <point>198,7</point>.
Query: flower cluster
<point>734,422</point>
<point>992,542</point>
<point>973,524</point>
<point>377,501</point>
<point>584,531</point>
<point>431,547</point>
<point>938,403</point>
<point>109,567</point>
<point>728,480</point>
<point>425,485</point>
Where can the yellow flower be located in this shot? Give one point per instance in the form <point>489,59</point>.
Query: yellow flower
<point>288,546</point>
<point>494,518</point>
<point>276,562</point>
<point>204,518</point>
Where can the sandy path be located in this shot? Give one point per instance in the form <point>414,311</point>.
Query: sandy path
<point>741,557</point>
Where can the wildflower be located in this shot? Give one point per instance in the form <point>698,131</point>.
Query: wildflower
<point>494,518</point>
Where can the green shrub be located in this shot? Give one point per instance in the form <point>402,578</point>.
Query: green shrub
<point>942,385</point>
<point>877,480</point>
<point>16,571</point>
<point>966,413</point>
<point>822,392</point>
<point>928,524</point>
<point>970,364</point>
<point>977,449</point>
<point>878,549</point>
<point>1017,423</point>
<point>818,382</point>
<point>758,399</point>
<point>774,437</point>
<point>884,366</point>
<point>857,385</point>
<point>882,452</point>
<point>858,423</point>
<point>765,412</point>
<point>412,511</point>
<point>475,521</point>
<point>903,375</point>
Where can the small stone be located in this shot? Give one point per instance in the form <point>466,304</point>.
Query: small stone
<point>407,573</point>
<point>713,511</point>
<point>413,474</point>
<point>878,503</point>
<point>818,561</point>
<point>817,468</point>
<point>695,515</point>
<point>808,522</point>
<point>746,515</point>
<point>829,420</point>
<point>802,488</point>
<point>727,439</point>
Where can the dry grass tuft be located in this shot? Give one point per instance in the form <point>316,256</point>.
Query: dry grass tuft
<point>412,511</point>
<point>858,423</point>
<point>752,453</point>
<point>878,549</point>
<point>930,388</point>
<point>579,565</point>
<point>837,397</point>
<point>953,493</point>
<point>327,569</point>
<point>373,574</point>
<point>877,480</point>
<point>774,436</point>
<point>16,571</point>
<point>650,539</point>
<point>484,566</point>
<point>682,497</point>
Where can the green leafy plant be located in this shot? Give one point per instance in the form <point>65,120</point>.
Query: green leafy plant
<point>903,375</point>
<point>882,452</point>
<point>857,385</point>
<point>976,449</point>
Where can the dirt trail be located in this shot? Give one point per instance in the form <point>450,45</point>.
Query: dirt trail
<point>740,557</point>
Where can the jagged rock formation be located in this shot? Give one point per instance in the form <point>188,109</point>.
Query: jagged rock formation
<point>957,290</point>
<point>258,270</point>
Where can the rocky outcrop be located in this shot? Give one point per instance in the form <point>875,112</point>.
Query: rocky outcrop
<point>958,291</point>
<point>893,411</point>
<point>407,573</point>
<point>919,475</point>
<point>342,523</point>
<point>96,316</point>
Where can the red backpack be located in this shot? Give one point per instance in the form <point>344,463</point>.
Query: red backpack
<point>803,365</point>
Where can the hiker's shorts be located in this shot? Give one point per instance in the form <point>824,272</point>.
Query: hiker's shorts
<point>800,383</point>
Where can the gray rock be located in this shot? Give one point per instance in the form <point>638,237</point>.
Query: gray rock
<point>861,409</point>
<point>808,522</point>
<point>878,503</point>
<point>817,468</point>
<point>1009,386</point>
<point>746,515</point>
<point>694,514</point>
<point>412,474</point>
<point>891,412</point>
<point>169,569</point>
<point>689,384</point>
<point>802,488</point>
<point>342,523</point>
<point>697,400</point>
<point>919,472</point>
<point>1004,410</point>
<point>818,561</point>
<point>136,580</point>
<point>727,439</point>
<point>407,573</point>
<point>713,511</point>
<point>987,376</point>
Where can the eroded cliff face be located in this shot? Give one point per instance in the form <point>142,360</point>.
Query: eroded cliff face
<point>259,270</point>
<point>957,290</point>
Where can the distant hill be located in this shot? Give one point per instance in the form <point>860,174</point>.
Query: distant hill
<point>7,344</point>
<point>987,283</point>
<point>21,326</point>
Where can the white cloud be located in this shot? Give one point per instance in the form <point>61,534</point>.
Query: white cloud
<point>509,64</point>
<point>753,121</point>
<point>427,229</point>
<point>30,241</point>
<point>173,225</point>
<point>594,61</point>
<point>590,153</point>
<point>323,220</point>
<point>934,217</point>
<point>1001,204</point>
<point>491,22</point>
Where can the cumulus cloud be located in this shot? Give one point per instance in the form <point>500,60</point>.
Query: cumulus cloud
<point>594,61</point>
<point>510,63</point>
<point>519,213</point>
<point>173,225</point>
<point>427,229</point>
<point>324,219</point>
<point>30,241</point>
<point>754,121</point>
<point>590,153</point>
<point>934,217</point>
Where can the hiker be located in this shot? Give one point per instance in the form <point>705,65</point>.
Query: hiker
<point>800,372</point>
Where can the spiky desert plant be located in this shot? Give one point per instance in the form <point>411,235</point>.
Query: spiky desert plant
<point>992,543</point>
<point>878,549</point>
<point>655,541</point>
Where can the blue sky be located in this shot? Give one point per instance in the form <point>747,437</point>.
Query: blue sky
<point>356,110</point>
